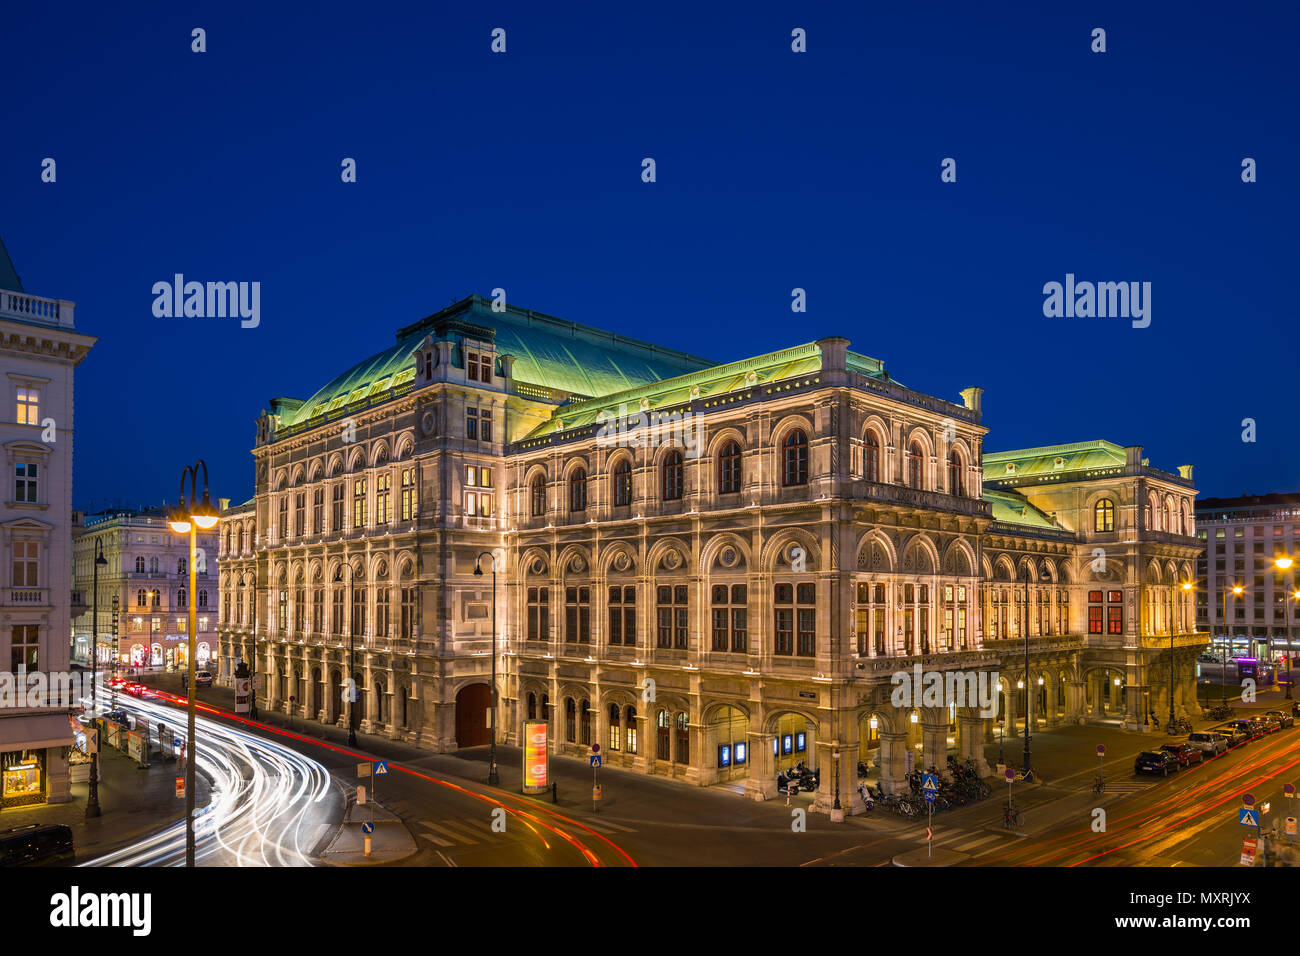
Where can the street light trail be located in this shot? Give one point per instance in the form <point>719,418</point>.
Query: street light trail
<point>261,792</point>
<point>524,810</point>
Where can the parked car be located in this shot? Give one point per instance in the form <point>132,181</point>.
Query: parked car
<point>1283,719</point>
<point>1236,734</point>
<point>203,679</point>
<point>1265,724</point>
<point>1208,742</point>
<point>34,845</point>
<point>1186,753</point>
<point>1156,761</point>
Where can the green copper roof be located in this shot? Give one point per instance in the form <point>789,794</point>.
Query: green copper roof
<point>1053,459</point>
<point>1011,508</point>
<point>551,352</point>
<point>8,275</point>
<point>714,382</point>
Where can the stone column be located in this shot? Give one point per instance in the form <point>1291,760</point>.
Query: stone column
<point>761,782</point>
<point>971,737</point>
<point>934,739</point>
<point>892,762</point>
<point>1074,702</point>
<point>1009,729</point>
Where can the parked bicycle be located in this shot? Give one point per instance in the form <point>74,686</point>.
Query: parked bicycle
<point>1012,817</point>
<point>1099,785</point>
<point>1180,725</point>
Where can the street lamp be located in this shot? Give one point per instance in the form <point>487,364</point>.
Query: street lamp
<point>1045,576</point>
<point>189,520</point>
<point>1186,586</point>
<point>352,652</point>
<point>1237,591</point>
<point>493,778</point>
<point>1284,563</point>
<point>252,680</point>
<point>92,798</point>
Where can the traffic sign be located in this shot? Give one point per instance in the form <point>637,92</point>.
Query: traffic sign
<point>180,788</point>
<point>1010,775</point>
<point>1289,790</point>
<point>595,760</point>
<point>381,767</point>
<point>363,769</point>
<point>367,827</point>
<point>1248,817</point>
<point>1101,749</point>
<point>929,795</point>
<point>929,834</point>
<point>595,748</point>
<point>1290,826</point>
<point>1248,852</point>
<point>1248,799</point>
<point>930,782</point>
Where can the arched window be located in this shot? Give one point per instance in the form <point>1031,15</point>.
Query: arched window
<point>141,598</point>
<point>914,465</point>
<point>795,456</point>
<point>615,728</point>
<point>1104,515</point>
<point>631,730</point>
<point>683,739</point>
<point>532,706</point>
<point>672,484</point>
<point>181,566</point>
<point>570,720</point>
<point>539,496</point>
<point>873,457</point>
<point>155,598</point>
<point>182,599</point>
<point>663,736</point>
<point>623,483</point>
<point>153,565</point>
<point>578,490</point>
<point>728,474</point>
<point>139,565</point>
<point>203,599</point>
<point>954,473</point>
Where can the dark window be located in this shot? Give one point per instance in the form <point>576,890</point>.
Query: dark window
<point>578,490</point>
<point>577,615</point>
<point>795,451</point>
<point>622,615</point>
<point>954,473</point>
<point>914,465</point>
<point>729,469</point>
<point>623,483</point>
<point>539,611</point>
<point>539,495</point>
<point>673,616</point>
<point>730,623</point>
<point>873,457</point>
<point>471,421</point>
<point>672,476</point>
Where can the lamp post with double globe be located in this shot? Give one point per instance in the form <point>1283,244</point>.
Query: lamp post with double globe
<point>92,798</point>
<point>190,519</point>
<point>493,777</point>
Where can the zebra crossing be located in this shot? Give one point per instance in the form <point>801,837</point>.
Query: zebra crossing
<point>468,832</point>
<point>1122,786</point>
<point>963,841</point>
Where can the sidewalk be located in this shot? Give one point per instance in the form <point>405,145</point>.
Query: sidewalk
<point>135,803</point>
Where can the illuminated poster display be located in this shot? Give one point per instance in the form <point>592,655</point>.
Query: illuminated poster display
<point>536,757</point>
<point>724,755</point>
<point>741,751</point>
<point>801,743</point>
<point>787,744</point>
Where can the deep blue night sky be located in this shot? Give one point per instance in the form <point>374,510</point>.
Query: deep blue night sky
<point>775,170</point>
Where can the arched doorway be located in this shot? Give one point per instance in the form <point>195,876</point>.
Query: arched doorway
<point>336,695</point>
<point>727,731</point>
<point>472,703</point>
<point>313,693</point>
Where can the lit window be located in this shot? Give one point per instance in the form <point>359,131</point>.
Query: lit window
<point>29,400</point>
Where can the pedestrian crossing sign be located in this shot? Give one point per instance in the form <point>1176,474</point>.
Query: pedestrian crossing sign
<point>1248,817</point>
<point>381,767</point>
<point>930,782</point>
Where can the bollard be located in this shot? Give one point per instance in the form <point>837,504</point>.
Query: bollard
<point>554,792</point>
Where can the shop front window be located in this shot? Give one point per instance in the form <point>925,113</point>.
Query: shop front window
<point>23,774</point>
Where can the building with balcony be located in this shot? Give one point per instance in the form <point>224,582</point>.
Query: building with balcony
<point>147,580</point>
<point>1243,538</point>
<point>711,569</point>
<point>39,351</point>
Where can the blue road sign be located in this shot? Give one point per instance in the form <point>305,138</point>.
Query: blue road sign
<point>367,827</point>
<point>930,782</point>
<point>1248,817</point>
<point>595,760</point>
<point>381,767</point>
<point>929,796</point>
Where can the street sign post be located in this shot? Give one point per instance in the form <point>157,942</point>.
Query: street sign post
<point>1248,852</point>
<point>1248,817</point>
<point>596,795</point>
<point>930,788</point>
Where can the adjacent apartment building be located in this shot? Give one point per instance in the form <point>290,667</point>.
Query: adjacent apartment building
<point>1251,542</point>
<point>711,569</point>
<point>39,352</point>
<point>148,574</point>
